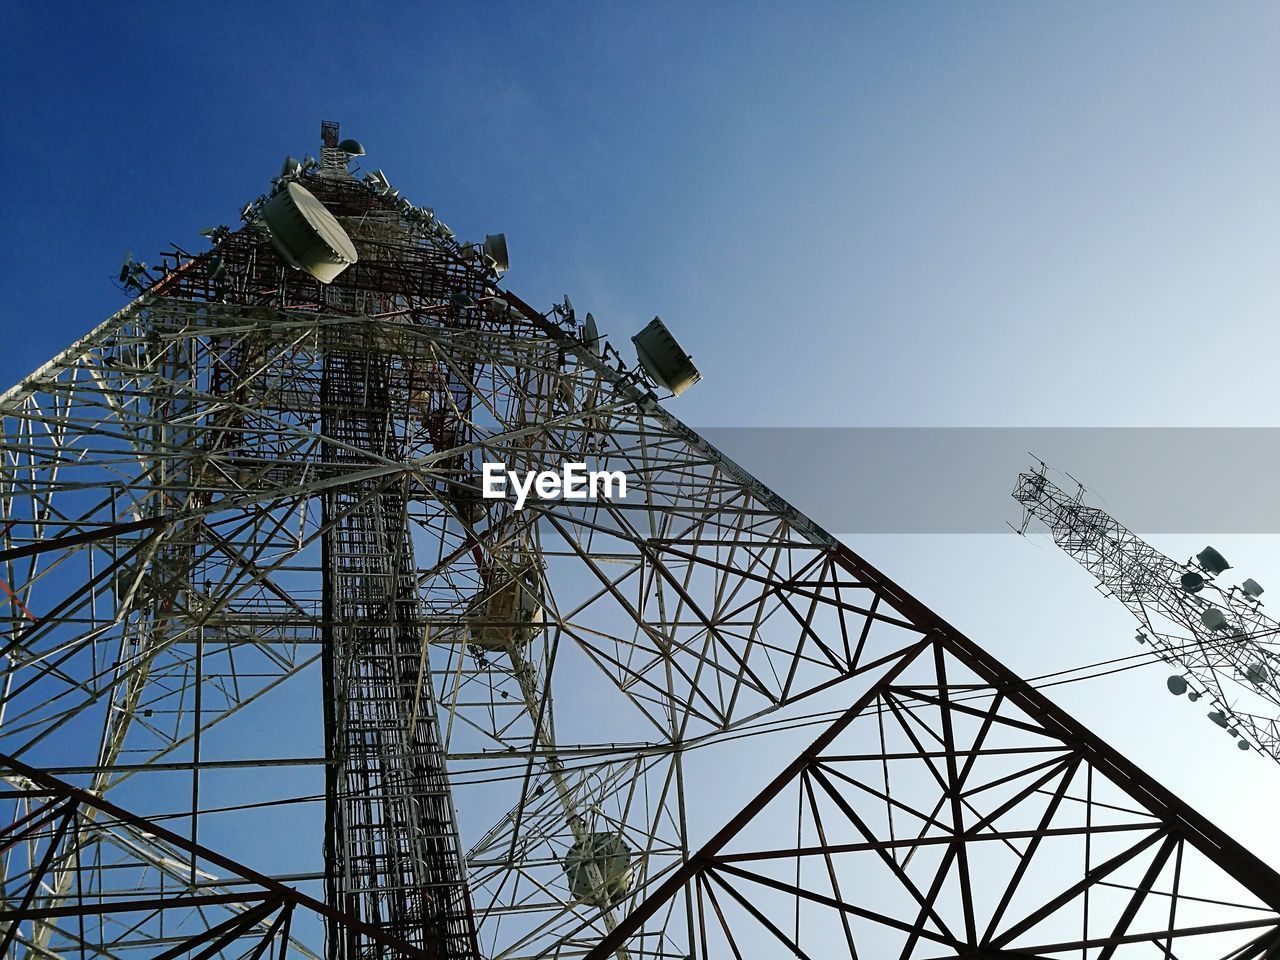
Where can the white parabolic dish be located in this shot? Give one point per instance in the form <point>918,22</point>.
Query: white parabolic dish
<point>307,235</point>
<point>663,359</point>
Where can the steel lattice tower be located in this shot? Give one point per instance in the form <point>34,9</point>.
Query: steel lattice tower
<point>1221,644</point>
<point>279,681</point>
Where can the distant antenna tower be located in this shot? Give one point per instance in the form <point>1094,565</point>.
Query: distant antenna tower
<point>1222,647</point>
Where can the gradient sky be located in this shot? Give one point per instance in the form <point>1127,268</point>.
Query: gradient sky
<point>885,214</point>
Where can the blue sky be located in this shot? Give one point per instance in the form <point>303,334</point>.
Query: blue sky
<point>852,213</point>
<point>882,214</point>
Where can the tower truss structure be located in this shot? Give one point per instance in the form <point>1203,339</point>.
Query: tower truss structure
<point>280,680</point>
<point>1217,637</point>
<point>954,811</point>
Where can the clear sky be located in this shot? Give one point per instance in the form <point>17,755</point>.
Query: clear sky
<point>852,213</point>
<point>870,214</point>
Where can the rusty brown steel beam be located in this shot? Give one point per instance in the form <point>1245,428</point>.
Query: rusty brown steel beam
<point>134,906</point>
<point>76,539</point>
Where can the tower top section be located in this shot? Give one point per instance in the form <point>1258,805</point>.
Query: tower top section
<point>335,154</point>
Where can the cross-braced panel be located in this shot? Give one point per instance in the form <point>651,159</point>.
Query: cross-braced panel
<point>949,814</point>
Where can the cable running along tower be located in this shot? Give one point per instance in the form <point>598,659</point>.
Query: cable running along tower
<point>279,681</point>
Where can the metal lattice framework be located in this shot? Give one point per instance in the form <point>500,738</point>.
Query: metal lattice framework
<point>952,811</point>
<point>1231,657</point>
<point>269,648</point>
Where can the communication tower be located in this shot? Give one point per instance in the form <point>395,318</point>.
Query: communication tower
<point>1223,649</point>
<point>280,680</point>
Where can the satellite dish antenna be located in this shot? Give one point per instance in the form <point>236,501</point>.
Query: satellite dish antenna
<point>290,167</point>
<point>663,358</point>
<point>1212,561</point>
<point>351,148</point>
<point>495,248</point>
<point>1218,717</point>
<point>307,235</point>
<point>591,336</point>
<point>1252,588</point>
<point>568,308</point>
<point>1192,582</point>
<point>1177,684</point>
<point>1214,619</point>
<point>1257,674</point>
